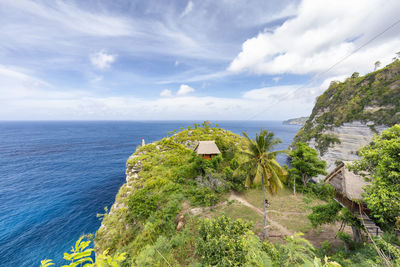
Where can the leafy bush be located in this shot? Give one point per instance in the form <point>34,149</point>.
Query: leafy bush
<point>155,254</point>
<point>202,196</point>
<point>323,214</point>
<point>234,164</point>
<point>223,242</point>
<point>325,249</point>
<point>305,163</point>
<point>142,204</point>
<point>382,160</point>
<point>322,190</point>
<point>347,240</point>
<point>296,251</point>
<point>388,249</point>
<point>216,162</point>
<point>271,250</point>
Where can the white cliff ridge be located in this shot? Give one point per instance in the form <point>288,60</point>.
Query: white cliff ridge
<point>352,137</point>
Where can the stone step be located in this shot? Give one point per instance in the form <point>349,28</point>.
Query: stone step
<point>370,224</point>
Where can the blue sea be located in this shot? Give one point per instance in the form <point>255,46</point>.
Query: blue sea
<point>56,176</point>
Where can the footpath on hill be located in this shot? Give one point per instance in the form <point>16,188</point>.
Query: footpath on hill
<point>241,200</point>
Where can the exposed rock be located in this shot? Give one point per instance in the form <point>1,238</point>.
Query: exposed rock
<point>181,222</point>
<point>352,136</point>
<point>190,144</point>
<point>209,181</point>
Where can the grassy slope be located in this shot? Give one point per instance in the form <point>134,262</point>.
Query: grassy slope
<point>286,209</point>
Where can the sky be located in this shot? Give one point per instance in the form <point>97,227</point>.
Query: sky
<point>184,60</point>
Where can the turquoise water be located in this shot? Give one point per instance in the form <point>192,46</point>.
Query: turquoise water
<point>56,176</point>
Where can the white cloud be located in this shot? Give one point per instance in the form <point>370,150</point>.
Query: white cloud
<point>101,60</point>
<point>184,90</point>
<point>274,92</point>
<point>166,93</point>
<point>73,18</point>
<point>188,9</point>
<point>276,79</point>
<point>322,33</point>
<point>25,97</point>
<point>77,106</point>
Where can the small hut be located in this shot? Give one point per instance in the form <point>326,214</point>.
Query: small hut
<point>207,149</point>
<point>348,189</point>
<point>348,186</point>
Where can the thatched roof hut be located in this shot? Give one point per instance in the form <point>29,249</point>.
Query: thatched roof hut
<point>207,149</point>
<point>348,185</point>
<point>348,189</point>
<point>347,182</point>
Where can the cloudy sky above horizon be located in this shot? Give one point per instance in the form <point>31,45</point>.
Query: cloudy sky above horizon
<point>184,60</point>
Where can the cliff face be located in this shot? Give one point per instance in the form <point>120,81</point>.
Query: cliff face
<point>352,137</point>
<point>347,114</point>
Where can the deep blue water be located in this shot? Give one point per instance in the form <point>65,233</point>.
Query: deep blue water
<point>56,176</point>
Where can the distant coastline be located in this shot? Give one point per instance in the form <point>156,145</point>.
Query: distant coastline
<point>296,121</point>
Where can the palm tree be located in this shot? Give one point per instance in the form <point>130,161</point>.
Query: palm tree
<point>262,166</point>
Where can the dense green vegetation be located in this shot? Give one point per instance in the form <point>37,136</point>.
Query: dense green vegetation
<point>381,159</point>
<point>305,164</point>
<point>152,221</point>
<point>374,97</point>
<point>171,179</point>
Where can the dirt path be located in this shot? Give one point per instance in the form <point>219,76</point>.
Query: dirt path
<point>244,202</point>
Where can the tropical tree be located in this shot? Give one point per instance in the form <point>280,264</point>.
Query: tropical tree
<point>262,166</point>
<point>381,159</point>
<point>305,163</point>
<point>377,65</point>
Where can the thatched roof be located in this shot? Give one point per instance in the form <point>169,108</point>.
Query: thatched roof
<point>207,148</point>
<point>346,182</point>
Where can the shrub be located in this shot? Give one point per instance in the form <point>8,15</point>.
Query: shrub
<point>142,203</point>
<point>325,249</point>
<point>216,162</point>
<point>155,255</point>
<point>322,214</point>
<point>271,250</point>
<point>203,196</point>
<point>347,240</point>
<point>234,164</point>
<point>323,191</point>
<point>222,242</point>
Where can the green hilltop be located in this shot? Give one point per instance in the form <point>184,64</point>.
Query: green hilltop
<point>373,99</point>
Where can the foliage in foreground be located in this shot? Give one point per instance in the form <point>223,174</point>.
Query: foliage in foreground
<point>223,242</point>
<point>81,255</point>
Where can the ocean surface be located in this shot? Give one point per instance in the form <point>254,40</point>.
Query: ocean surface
<point>56,176</point>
